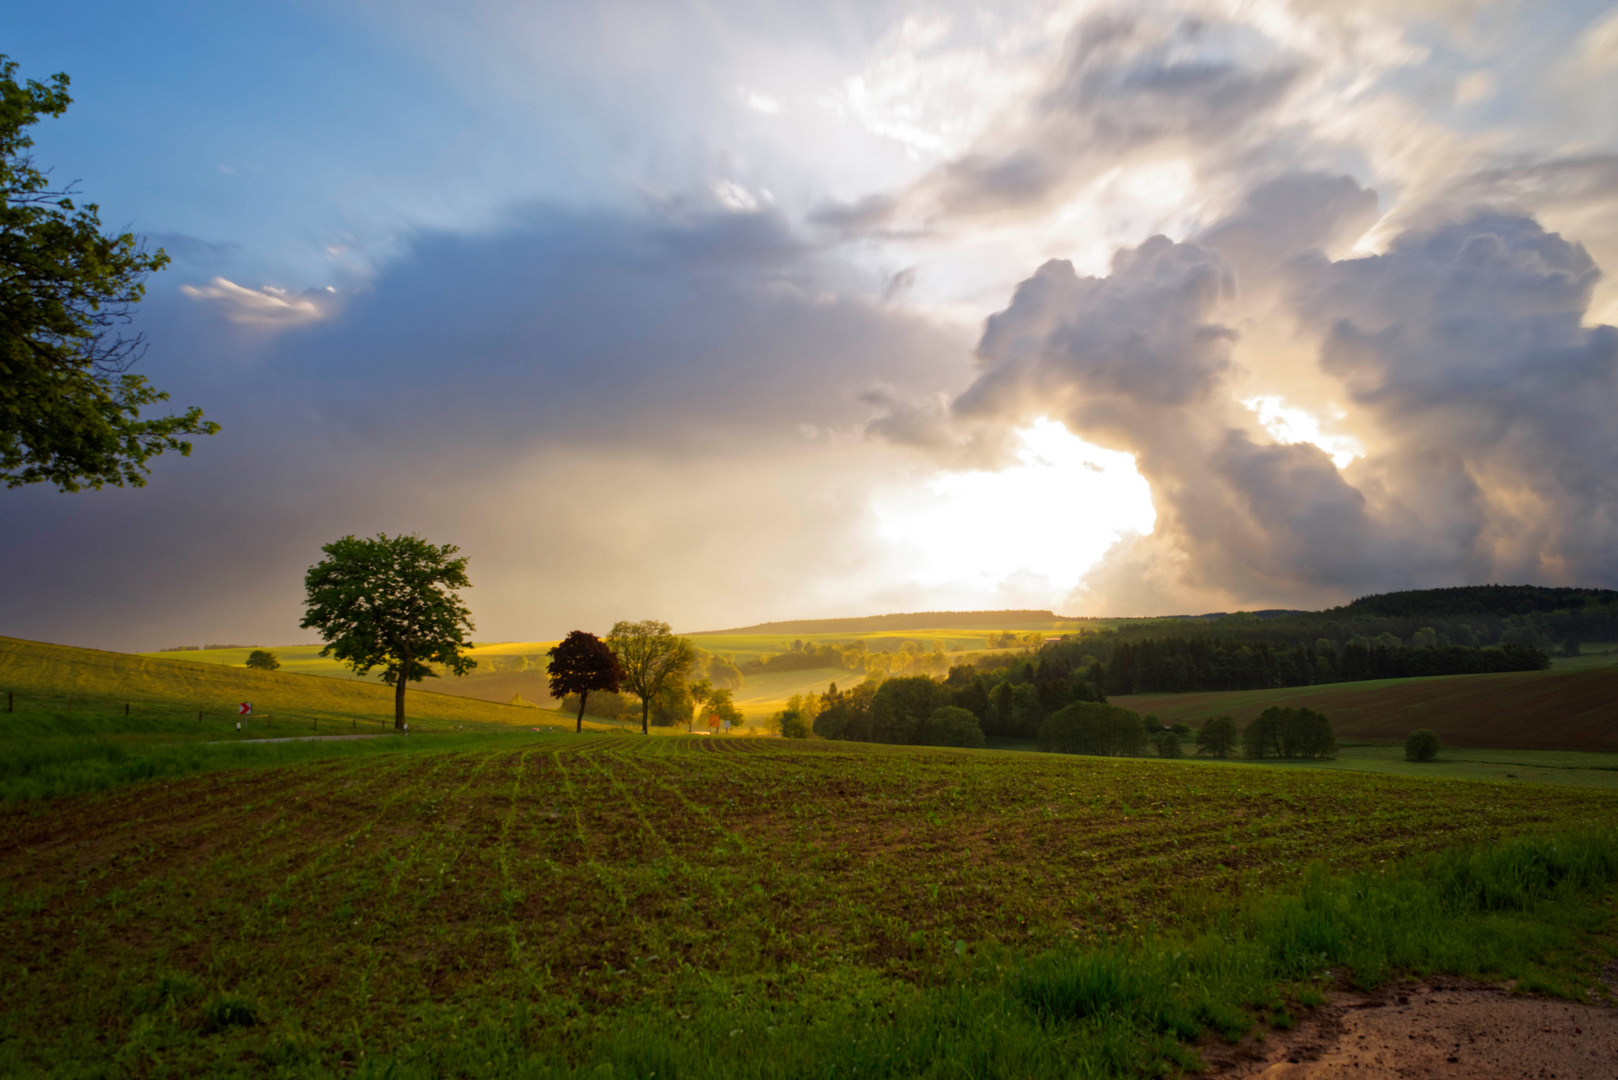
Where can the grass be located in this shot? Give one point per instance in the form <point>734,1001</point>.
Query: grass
<point>590,906</point>
<point>1575,768</point>
<point>181,688</point>
<point>1532,710</point>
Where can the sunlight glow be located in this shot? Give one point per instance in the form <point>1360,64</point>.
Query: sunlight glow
<point>1289,424</point>
<point>1037,526</point>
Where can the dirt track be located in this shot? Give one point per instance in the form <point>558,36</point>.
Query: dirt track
<point>1449,1029</point>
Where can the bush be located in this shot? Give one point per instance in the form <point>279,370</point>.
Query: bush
<point>1151,724</point>
<point>1217,737</point>
<point>1168,744</point>
<point>952,726</point>
<point>1422,745</point>
<point>1085,727</point>
<point>263,660</point>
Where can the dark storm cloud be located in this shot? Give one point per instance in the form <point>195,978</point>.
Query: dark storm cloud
<point>1490,409</point>
<point>577,401</point>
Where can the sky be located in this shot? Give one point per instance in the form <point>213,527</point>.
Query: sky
<point>721,313</point>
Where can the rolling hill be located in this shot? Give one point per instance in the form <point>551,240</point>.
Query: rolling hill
<point>1536,710</point>
<point>42,670</point>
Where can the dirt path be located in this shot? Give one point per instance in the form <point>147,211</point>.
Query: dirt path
<point>1449,1029</point>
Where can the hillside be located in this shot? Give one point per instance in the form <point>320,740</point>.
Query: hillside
<point>43,670</point>
<point>1496,600</point>
<point>1539,710</point>
<point>918,620</point>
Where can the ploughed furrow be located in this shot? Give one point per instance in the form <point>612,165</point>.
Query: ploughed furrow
<point>599,867</point>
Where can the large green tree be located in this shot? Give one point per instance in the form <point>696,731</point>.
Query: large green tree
<point>390,602</point>
<point>580,663</point>
<point>69,405</point>
<point>652,657</point>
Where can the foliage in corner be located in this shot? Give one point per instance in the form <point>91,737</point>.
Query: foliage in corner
<point>69,406</point>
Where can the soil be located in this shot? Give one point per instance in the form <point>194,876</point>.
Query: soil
<point>1450,1029</point>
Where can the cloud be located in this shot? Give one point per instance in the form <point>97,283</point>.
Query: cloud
<point>602,410</point>
<point>1130,84</point>
<point>266,306</point>
<point>1599,46</point>
<point>1461,351</point>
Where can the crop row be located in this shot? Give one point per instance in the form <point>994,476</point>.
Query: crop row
<point>359,892</point>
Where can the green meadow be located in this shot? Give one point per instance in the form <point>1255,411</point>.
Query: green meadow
<point>605,905</point>
<point>497,896</point>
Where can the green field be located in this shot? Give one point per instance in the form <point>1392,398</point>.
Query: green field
<point>486,899</point>
<point>163,686</point>
<point>468,911</point>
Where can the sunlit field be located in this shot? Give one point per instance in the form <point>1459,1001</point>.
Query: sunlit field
<point>471,910</point>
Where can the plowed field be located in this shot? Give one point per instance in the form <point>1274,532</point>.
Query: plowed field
<point>361,903</point>
<point>1531,710</point>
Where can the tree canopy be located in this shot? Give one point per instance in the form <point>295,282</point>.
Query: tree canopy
<point>652,658</point>
<point>390,602</point>
<point>69,405</point>
<point>263,660</point>
<point>580,663</point>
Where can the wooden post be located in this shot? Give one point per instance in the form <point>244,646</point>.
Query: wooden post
<point>199,716</point>
<point>11,701</point>
<point>126,708</point>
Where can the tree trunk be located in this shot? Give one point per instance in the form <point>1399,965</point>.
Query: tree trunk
<point>645,713</point>
<point>578,729</point>
<point>399,690</point>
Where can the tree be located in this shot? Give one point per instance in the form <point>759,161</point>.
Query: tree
<point>69,406</point>
<point>796,720</point>
<point>950,725</point>
<point>263,660</point>
<point>580,663</point>
<point>650,656</point>
<point>1217,737</point>
<point>391,603</point>
<point>1422,745</point>
<point>1167,743</point>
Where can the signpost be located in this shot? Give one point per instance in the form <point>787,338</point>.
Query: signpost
<point>246,709</point>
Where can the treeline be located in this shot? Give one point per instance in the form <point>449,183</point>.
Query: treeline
<point>1005,701</point>
<point>1072,718</point>
<point>1172,665</point>
<point>910,658</point>
<point>1551,620</point>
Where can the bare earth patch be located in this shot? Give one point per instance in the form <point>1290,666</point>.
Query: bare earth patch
<point>1447,1028</point>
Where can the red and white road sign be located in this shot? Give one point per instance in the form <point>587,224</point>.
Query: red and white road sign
<point>246,709</point>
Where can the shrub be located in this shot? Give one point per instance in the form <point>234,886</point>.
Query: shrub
<point>263,660</point>
<point>1085,727</point>
<point>1217,737</point>
<point>1168,744</point>
<point>952,726</point>
<point>1422,745</point>
<point>1151,724</point>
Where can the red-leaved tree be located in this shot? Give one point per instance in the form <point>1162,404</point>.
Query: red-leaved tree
<point>580,663</point>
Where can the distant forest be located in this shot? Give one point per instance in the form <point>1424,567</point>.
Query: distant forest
<point>1460,631</point>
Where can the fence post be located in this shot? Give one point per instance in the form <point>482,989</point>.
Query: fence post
<point>126,708</point>
<point>199,716</point>
<point>11,701</point>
